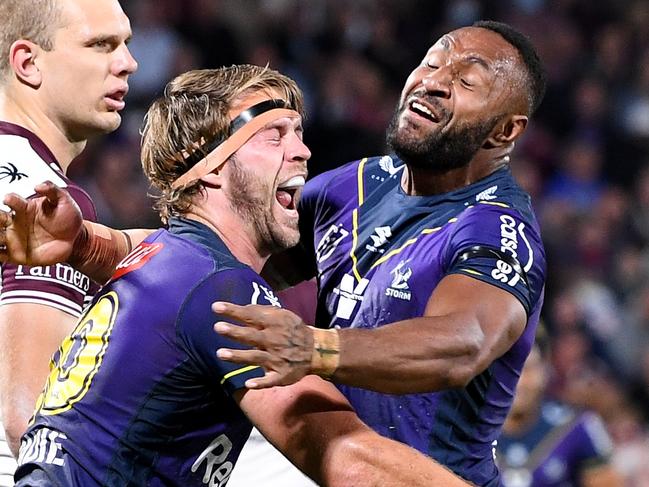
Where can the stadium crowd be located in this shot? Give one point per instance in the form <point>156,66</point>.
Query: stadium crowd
<point>585,160</point>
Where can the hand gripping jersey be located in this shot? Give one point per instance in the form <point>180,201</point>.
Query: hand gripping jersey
<point>137,396</point>
<point>25,160</point>
<point>554,450</point>
<point>379,254</point>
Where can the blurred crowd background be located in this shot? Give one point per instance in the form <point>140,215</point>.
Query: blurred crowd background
<point>584,159</point>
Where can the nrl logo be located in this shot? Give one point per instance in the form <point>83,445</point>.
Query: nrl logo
<point>8,170</point>
<point>387,164</point>
<point>487,194</point>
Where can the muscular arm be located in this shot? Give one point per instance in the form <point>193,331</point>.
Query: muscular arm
<point>316,428</point>
<point>467,324</point>
<point>29,335</point>
<point>49,228</point>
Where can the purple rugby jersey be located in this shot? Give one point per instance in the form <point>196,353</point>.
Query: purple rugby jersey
<point>379,254</point>
<point>58,286</point>
<point>137,395</point>
<point>555,450</point>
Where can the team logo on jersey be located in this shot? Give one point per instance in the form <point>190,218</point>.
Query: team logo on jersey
<point>9,170</point>
<point>139,256</point>
<point>387,164</point>
<point>350,294</point>
<point>487,194</point>
<point>263,292</point>
<point>379,238</point>
<point>399,287</point>
<point>329,242</point>
<point>217,468</point>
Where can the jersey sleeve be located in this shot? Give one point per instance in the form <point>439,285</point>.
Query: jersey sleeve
<point>497,245</point>
<point>196,321</point>
<point>58,286</point>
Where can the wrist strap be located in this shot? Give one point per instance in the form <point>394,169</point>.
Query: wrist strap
<point>98,249</point>
<point>326,352</point>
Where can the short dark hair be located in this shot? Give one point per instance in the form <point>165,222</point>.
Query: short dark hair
<point>533,65</point>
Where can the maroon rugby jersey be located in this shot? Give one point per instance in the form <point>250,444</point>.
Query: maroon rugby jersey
<point>59,286</point>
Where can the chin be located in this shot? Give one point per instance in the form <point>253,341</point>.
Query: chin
<point>106,122</point>
<point>113,121</point>
<point>285,238</point>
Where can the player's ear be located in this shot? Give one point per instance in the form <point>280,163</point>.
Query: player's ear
<point>22,58</point>
<point>506,131</point>
<point>213,179</point>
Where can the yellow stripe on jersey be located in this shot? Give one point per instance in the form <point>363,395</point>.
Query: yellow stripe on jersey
<point>361,200</point>
<point>359,175</point>
<point>352,254</point>
<point>237,372</point>
<point>495,203</point>
<point>425,231</point>
<point>471,271</point>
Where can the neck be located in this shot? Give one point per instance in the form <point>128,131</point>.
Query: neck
<point>234,234</point>
<point>417,181</point>
<point>28,114</point>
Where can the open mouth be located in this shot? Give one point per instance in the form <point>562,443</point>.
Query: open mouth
<point>423,110</point>
<point>287,193</point>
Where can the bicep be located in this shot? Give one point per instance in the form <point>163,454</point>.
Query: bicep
<point>500,316</point>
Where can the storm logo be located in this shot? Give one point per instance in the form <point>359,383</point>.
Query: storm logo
<point>399,288</point>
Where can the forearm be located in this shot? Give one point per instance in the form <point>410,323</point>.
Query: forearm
<point>29,335</point>
<point>369,460</point>
<point>416,355</point>
<point>98,249</point>
<point>315,427</point>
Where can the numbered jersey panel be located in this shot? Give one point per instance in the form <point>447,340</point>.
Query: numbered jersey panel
<point>379,255</point>
<point>136,395</point>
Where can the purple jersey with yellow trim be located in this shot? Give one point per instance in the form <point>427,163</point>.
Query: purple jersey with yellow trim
<point>137,396</point>
<point>58,286</point>
<point>555,450</point>
<point>379,254</point>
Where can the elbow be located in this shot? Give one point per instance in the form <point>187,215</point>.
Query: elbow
<point>468,361</point>
<point>15,426</point>
<point>355,462</point>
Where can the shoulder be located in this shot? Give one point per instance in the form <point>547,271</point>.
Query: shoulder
<point>322,183</point>
<point>166,263</point>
